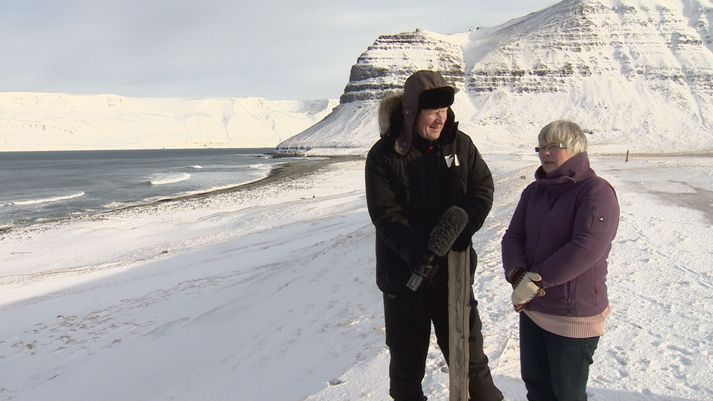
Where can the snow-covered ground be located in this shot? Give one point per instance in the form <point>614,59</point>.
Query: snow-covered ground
<point>268,293</point>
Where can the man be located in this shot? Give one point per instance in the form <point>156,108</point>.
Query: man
<point>421,166</point>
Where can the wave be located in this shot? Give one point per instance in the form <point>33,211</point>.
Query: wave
<point>219,188</point>
<point>117,205</point>
<point>171,178</point>
<point>266,166</point>
<point>197,166</point>
<point>224,166</point>
<point>45,200</point>
<point>264,172</point>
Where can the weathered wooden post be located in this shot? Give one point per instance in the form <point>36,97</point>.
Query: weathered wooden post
<point>458,325</point>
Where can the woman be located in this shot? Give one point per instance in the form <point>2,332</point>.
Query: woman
<point>555,256</point>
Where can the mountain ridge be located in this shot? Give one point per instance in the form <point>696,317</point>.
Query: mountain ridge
<point>636,74</point>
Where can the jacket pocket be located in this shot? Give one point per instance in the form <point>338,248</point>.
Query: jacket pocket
<point>570,296</point>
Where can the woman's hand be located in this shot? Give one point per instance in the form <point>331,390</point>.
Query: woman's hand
<point>526,289</point>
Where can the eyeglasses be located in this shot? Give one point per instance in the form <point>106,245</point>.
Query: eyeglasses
<point>554,147</point>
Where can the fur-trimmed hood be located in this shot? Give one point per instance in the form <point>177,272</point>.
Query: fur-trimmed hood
<point>398,111</point>
<point>390,106</point>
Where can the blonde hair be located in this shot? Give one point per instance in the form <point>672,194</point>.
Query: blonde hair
<point>566,132</point>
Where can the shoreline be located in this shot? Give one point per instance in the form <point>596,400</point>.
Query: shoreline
<point>295,168</point>
<point>290,169</point>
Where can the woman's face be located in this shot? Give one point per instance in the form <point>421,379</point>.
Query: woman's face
<point>430,122</point>
<point>553,155</point>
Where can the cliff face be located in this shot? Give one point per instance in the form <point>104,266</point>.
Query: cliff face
<point>558,48</point>
<point>637,73</point>
<point>392,58</point>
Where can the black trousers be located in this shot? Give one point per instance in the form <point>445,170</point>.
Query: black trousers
<point>408,331</point>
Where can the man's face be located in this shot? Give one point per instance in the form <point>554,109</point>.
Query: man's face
<point>429,123</point>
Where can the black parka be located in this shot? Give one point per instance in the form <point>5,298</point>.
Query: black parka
<point>407,194</point>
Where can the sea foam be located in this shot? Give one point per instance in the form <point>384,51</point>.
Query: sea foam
<point>172,178</point>
<point>45,200</point>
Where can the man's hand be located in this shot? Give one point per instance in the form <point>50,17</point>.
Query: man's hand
<point>526,290</point>
<point>463,241</point>
<point>420,260</point>
<point>422,269</point>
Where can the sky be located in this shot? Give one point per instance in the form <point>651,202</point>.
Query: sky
<point>279,49</point>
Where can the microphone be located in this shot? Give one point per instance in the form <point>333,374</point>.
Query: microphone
<point>440,241</point>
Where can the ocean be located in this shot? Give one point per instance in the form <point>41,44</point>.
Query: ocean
<point>41,186</point>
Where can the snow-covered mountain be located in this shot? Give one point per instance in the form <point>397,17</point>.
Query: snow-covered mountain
<point>48,121</point>
<point>637,73</point>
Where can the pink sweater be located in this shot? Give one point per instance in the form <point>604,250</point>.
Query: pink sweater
<point>571,326</point>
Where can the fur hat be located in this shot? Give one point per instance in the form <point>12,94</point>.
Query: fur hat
<point>436,98</point>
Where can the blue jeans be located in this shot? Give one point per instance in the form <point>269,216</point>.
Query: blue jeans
<point>554,368</point>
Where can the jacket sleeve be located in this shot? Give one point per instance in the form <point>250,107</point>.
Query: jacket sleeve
<point>392,226</point>
<point>595,225</point>
<point>479,194</point>
<point>513,242</point>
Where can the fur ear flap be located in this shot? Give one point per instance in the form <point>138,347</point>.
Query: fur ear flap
<point>389,104</point>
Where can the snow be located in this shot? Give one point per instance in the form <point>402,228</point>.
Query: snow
<point>637,74</point>
<point>268,293</point>
<point>56,121</point>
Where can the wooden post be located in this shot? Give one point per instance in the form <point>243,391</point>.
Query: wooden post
<point>458,327</point>
<point>627,156</point>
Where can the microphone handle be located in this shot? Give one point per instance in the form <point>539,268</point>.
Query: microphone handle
<point>423,271</point>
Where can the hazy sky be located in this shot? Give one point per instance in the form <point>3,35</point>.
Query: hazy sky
<point>281,49</point>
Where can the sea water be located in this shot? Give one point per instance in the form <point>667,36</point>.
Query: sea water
<point>40,186</point>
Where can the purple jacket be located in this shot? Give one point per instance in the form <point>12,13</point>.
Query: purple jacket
<point>562,229</point>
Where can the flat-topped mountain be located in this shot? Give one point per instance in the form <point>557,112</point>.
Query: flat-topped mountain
<point>637,74</point>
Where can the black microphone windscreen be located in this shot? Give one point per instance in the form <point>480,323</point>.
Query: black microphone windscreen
<point>445,233</point>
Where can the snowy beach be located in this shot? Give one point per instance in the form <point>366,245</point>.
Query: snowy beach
<point>268,293</point>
